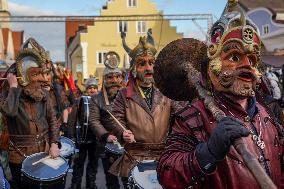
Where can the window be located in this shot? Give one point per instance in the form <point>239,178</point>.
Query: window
<point>265,29</point>
<point>141,27</point>
<point>132,3</point>
<point>122,26</point>
<point>101,57</point>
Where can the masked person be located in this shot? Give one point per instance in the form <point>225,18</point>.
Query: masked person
<point>62,99</point>
<point>54,86</point>
<point>199,151</point>
<point>4,148</point>
<point>27,109</point>
<point>86,147</point>
<point>100,121</point>
<point>141,109</point>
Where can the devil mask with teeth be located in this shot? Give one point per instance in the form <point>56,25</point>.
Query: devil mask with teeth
<point>234,53</point>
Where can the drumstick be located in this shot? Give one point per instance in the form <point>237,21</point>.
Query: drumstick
<point>4,78</point>
<point>116,120</point>
<point>41,160</point>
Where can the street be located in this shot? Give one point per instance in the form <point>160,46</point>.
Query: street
<point>101,183</point>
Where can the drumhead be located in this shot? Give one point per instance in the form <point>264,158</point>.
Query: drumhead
<point>114,148</point>
<point>41,171</point>
<point>67,147</point>
<point>144,175</point>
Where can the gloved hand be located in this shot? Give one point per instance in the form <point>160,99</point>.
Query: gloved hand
<point>215,149</point>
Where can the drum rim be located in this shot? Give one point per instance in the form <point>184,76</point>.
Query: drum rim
<point>44,179</point>
<point>132,173</point>
<point>111,151</point>
<point>74,146</point>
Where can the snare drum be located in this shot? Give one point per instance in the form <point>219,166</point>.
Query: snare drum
<point>144,176</point>
<point>114,148</point>
<point>67,147</point>
<point>42,175</point>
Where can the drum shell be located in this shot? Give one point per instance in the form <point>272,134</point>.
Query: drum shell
<point>30,181</point>
<point>83,120</point>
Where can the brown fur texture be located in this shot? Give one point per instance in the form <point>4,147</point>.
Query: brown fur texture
<point>171,68</point>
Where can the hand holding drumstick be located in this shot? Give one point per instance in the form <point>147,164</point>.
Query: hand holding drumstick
<point>127,134</point>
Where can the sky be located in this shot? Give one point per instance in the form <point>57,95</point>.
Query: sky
<point>52,35</point>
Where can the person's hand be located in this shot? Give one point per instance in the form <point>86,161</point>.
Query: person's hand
<point>128,136</point>
<point>223,136</point>
<point>54,151</point>
<point>12,80</point>
<point>111,138</point>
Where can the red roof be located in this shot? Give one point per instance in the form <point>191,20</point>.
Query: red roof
<point>5,33</point>
<point>18,38</point>
<point>71,27</point>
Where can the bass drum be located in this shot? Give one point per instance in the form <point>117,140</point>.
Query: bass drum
<point>44,175</point>
<point>144,176</point>
<point>83,119</point>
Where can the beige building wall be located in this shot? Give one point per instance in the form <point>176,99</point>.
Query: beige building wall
<point>105,36</point>
<point>4,12</point>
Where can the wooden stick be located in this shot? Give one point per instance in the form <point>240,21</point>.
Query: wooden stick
<point>41,160</point>
<point>4,78</point>
<point>116,120</point>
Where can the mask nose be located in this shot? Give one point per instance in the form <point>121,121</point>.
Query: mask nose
<point>246,63</point>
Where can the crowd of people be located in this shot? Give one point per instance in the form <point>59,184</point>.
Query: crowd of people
<point>187,144</point>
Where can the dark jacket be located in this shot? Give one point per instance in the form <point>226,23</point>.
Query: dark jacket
<point>100,121</point>
<point>178,167</point>
<point>31,125</point>
<point>74,120</point>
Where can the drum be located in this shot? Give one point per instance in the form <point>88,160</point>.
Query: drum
<point>114,148</point>
<point>83,119</point>
<point>67,147</point>
<point>44,175</point>
<point>144,176</point>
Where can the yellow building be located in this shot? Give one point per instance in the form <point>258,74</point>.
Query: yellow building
<point>86,51</point>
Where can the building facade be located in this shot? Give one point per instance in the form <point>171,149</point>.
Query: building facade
<point>10,41</point>
<point>268,15</point>
<point>85,53</point>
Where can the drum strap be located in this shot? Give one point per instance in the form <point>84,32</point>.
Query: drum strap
<point>105,96</point>
<point>131,158</point>
<point>29,140</point>
<point>17,149</point>
<point>135,149</point>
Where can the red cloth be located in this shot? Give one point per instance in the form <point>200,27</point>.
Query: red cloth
<point>178,167</point>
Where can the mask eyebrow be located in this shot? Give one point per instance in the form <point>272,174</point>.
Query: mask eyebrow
<point>231,46</point>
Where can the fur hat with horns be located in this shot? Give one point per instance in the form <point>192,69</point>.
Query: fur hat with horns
<point>31,55</point>
<point>146,45</point>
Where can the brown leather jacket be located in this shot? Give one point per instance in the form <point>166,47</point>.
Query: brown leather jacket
<point>100,121</point>
<point>178,167</point>
<point>31,125</point>
<point>150,127</point>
